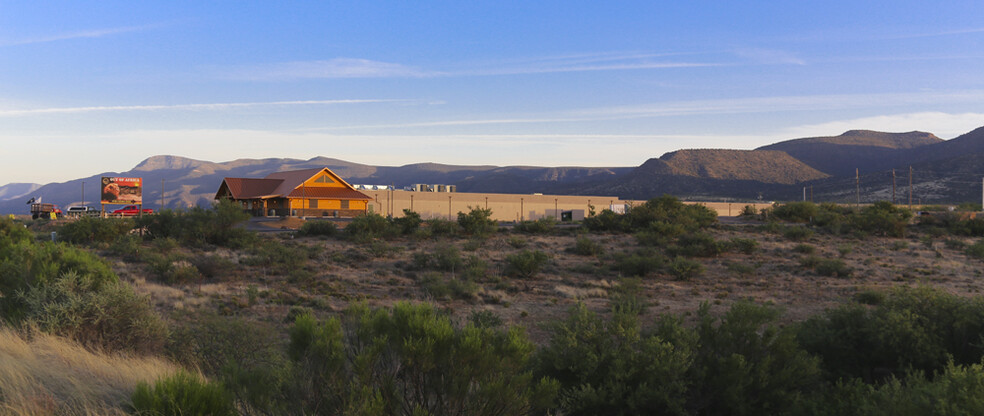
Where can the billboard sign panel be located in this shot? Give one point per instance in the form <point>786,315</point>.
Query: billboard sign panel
<point>122,190</point>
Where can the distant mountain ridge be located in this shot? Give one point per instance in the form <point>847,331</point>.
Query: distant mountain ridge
<point>944,171</point>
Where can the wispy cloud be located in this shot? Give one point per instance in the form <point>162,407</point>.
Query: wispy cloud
<point>769,56</point>
<point>332,68</point>
<point>186,107</point>
<point>365,68</point>
<point>945,125</point>
<point>84,34</point>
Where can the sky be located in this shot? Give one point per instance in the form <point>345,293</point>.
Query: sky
<point>88,87</point>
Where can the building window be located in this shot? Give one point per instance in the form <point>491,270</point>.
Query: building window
<point>324,179</point>
<point>313,203</point>
<point>345,204</point>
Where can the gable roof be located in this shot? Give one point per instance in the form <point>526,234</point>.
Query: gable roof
<point>288,184</point>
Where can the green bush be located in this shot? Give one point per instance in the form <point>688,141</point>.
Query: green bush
<point>412,360</point>
<point>585,246</point>
<point>409,223</point>
<point>696,245</point>
<point>803,211</point>
<point>627,298</point>
<point>182,394</point>
<point>88,230</point>
<point>684,269</point>
<point>370,225</point>
<point>441,227</point>
<point>477,222</point>
<point>641,263</point>
<point>797,233</point>
<point>526,264</point>
<point>317,228</point>
<point>543,225</point>
<point>517,242</point>
<point>920,329</point>
<point>443,288</point>
<point>201,227</point>
<point>833,268</point>
<point>975,250</point>
<point>744,245</point>
<point>665,215</point>
<point>804,248</point>
<point>613,367</point>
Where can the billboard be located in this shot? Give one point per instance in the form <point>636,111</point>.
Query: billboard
<point>122,190</point>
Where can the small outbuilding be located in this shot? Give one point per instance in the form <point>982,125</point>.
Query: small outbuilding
<point>308,192</point>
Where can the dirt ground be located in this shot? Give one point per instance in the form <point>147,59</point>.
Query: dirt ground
<point>381,272</point>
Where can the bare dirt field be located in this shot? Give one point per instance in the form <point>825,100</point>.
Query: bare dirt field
<point>329,273</point>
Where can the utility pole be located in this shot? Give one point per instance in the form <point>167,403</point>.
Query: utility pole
<point>893,186</point>
<point>83,193</point>
<point>910,187</point>
<point>811,193</point>
<point>804,194</point>
<point>857,180</point>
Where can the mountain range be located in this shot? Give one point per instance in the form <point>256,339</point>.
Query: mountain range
<point>835,168</point>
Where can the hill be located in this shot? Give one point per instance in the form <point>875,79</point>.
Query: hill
<point>16,190</point>
<point>865,149</point>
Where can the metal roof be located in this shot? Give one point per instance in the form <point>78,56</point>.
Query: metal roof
<point>288,184</point>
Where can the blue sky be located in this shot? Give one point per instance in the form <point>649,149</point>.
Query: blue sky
<point>91,87</point>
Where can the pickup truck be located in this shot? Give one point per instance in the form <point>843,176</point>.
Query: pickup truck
<point>131,210</point>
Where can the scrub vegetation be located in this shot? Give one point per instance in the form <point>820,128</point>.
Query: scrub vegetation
<point>803,309</point>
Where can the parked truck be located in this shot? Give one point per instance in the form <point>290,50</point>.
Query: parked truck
<point>131,210</point>
<point>45,211</point>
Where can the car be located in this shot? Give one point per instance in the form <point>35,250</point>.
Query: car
<point>80,211</point>
<point>131,210</point>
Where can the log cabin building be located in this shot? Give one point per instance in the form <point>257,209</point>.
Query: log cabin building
<point>315,192</point>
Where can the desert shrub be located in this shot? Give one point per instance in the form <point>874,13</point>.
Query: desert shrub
<point>899,245</point>
<point>201,227</point>
<point>882,218</point>
<point>409,223</point>
<point>745,364</point>
<point>912,328</point>
<point>543,225</point>
<point>955,390</point>
<point>527,263</point>
<point>748,211</point>
<point>833,268</point>
<point>441,227</point>
<point>25,265</point>
<point>411,360</point>
<point>440,287</point>
<point>107,315</point>
<point>370,225</point>
<point>744,245</point>
<point>447,257</point>
<point>613,367</point>
<point>797,233</point>
<point>214,266</point>
<point>517,242</point>
<point>801,211</point>
<point>12,232</point>
<point>804,248</point>
<point>585,246</point>
<point>280,257</point>
<point>696,245</point>
<point>127,246</point>
<point>665,215</point>
<point>245,355</point>
<point>741,269</point>
<point>641,263</point>
<point>89,230</point>
<point>845,249</point>
<point>684,269</point>
<point>473,244</point>
<point>477,222</point>
<point>975,250</point>
<point>182,394</point>
<point>626,297</point>
<point>485,319</point>
<point>317,228</point>
<point>954,244</point>
<point>869,297</point>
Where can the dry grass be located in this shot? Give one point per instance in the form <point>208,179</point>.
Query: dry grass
<point>47,375</point>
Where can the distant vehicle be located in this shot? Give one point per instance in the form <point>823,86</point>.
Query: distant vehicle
<point>131,210</point>
<point>81,211</point>
<point>45,211</point>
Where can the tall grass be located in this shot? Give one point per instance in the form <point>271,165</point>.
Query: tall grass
<point>46,375</point>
